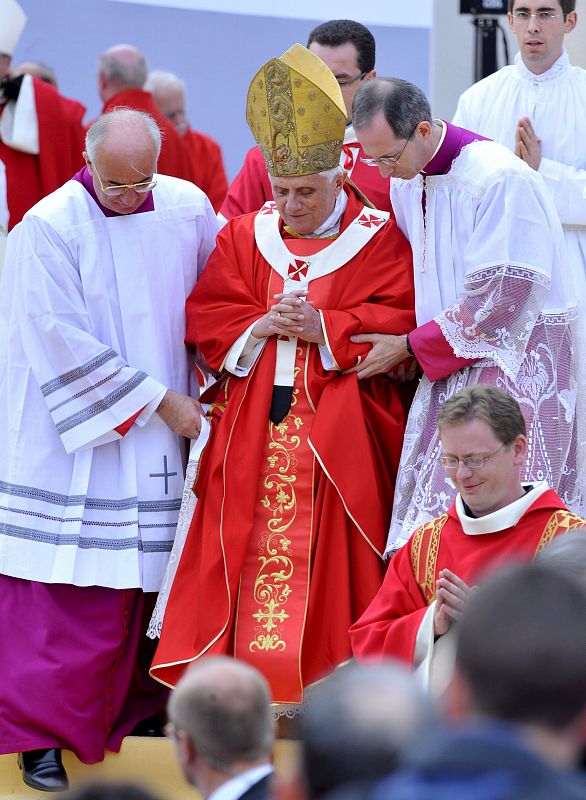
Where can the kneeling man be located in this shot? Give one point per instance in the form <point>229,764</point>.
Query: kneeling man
<point>494,518</point>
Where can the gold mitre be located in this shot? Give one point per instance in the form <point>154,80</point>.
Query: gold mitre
<point>296,113</point>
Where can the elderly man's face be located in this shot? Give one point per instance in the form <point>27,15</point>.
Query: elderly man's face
<point>171,102</point>
<point>305,203</point>
<point>118,167</point>
<point>495,483</point>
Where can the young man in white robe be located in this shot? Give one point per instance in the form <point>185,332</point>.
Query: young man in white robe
<point>493,300</point>
<point>95,398</point>
<point>537,108</point>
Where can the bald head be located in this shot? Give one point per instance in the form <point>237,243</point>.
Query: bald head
<point>122,148</point>
<point>223,706</point>
<point>121,67</point>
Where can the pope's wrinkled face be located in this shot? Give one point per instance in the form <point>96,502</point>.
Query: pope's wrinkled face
<point>305,203</point>
<point>117,166</point>
<point>493,485</point>
<point>540,28</point>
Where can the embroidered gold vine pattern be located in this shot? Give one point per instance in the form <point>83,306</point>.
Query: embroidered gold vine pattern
<point>271,587</point>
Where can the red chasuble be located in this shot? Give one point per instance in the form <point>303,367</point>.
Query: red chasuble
<point>284,549</point>
<point>208,166</point>
<point>389,626</point>
<point>29,177</point>
<point>175,159</point>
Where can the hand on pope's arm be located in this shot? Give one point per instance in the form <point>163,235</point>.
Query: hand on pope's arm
<point>527,143</point>
<point>451,597</point>
<point>387,352</point>
<point>181,413</point>
<point>291,315</point>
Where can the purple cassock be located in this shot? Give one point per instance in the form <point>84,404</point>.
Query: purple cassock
<point>76,674</point>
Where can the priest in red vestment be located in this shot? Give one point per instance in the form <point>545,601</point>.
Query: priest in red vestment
<point>295,485</point>
<point>122,75</point>
<point>41,132</point>
<point>494,519</point>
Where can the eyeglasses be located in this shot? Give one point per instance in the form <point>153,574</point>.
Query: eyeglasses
<point>350,81</point>
<point>389,161</point>
<point>115,191</point>
<point>470,462</point>
<point>543,17</point>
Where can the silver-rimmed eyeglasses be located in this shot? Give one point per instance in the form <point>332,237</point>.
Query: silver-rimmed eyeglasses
<point>470,462</point>
<point>388,161</point>
<point>348,82</point>
<point>542,17</point>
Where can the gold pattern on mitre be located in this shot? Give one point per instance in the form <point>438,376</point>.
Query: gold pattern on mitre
<point>296,113</point>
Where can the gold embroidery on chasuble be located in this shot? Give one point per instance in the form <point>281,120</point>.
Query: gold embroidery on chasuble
<point>271,587</point>
<point>424,550</point>
<point>274,584</point>
<point>560,522</point>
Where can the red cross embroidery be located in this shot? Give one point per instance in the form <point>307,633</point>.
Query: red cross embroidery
<point>269,208</point>
<point>370,221</point>
<point>298,269</point>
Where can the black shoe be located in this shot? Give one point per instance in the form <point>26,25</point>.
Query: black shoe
<point>43,770</point>
<point>149,727</point>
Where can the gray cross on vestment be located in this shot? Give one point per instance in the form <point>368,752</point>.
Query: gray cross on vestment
<point>165,474</point>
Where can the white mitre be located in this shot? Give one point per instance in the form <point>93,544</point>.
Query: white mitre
<point>13,22</point>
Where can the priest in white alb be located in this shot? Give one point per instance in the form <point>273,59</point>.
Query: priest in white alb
<point>494,301</point>
<point>95,398</point>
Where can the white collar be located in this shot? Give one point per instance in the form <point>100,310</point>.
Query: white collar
<point>502,519</point>
<point>556,69</point>
<point>239,784</point>
<point>350,134</point>
<point>441,141</point>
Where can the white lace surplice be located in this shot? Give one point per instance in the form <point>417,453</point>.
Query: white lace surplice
<point>488,268</point>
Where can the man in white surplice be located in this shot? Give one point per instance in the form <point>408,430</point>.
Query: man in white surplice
<point>537,108</point>
<point>95,399</point>
<point>494,301</point>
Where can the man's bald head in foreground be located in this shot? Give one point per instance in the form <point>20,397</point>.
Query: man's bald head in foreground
<point>221,719</point>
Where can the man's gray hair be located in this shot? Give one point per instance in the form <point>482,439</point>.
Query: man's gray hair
<point>124,72</point>
<point>159,82</point>
<point>223,705</point>
<point>131,117</point>
<point>402,104</point>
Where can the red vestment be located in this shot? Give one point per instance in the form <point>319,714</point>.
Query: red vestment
<point>174,158</point>
<point>208,166</point>
<point>284,549</point>
<point>390,625</point>
<point>251,188</point>
<point>30,177</point>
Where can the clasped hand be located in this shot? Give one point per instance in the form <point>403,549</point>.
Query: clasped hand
<point>291,315</point>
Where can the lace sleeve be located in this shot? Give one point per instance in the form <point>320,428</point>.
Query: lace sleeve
<point>495,316</point>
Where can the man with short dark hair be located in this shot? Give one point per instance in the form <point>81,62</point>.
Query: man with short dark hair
<point>95,399</point>
<point>494,518</point>
<point>221,721</point>
<point>494,302</point>
<point>519,695</point>
<point>348,49</point>
<point>122,74</point>
<point>537,108</point>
